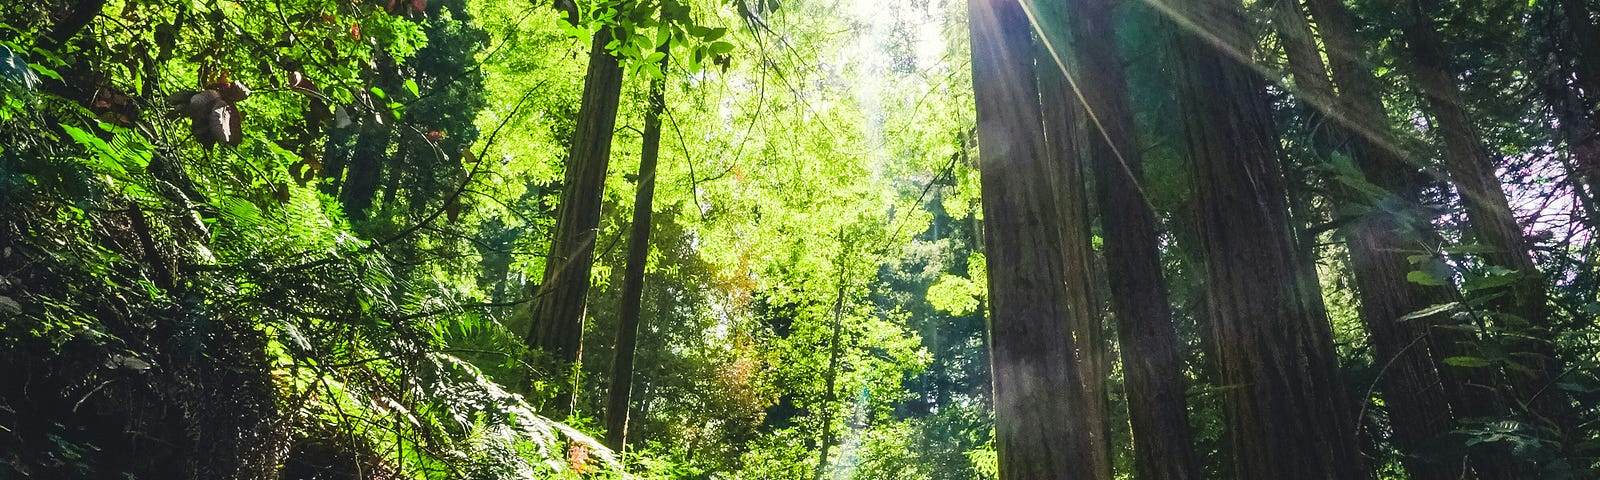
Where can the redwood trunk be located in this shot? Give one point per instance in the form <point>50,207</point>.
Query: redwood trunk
<point>1153,368</point>
<point>830,397</point>
<point>1029,335</point>
<point>1285,411</point>
<point>633,276</point>
<point>1419,410</point>
<point>1061,113</point>
<point>1471,166</point>
<point>558,310</point>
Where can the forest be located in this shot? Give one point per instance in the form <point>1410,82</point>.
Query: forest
<point>800,239</point>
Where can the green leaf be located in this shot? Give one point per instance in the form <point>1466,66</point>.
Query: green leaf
<point>576,31</point>
<point>378,92</point>
<point>1577,386</point>
<point>1489,281</point>
<point>720,48</point>
<point>411,86</point>
<point>104,159</point>
<point>1466,362</point>
<point>698,59</point>
<point>46,72</point>
<point>49,56</point>
<point>1424,278</point>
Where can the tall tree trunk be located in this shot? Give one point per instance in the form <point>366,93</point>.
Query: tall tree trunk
<point>1583,45</point>
<point>78,16</point>
<point>1311,83</point>
<point>1029,335</point>
<point>1418,406</point>
<point>830,395</point>
<point>1063,117</point>
<point>1285,410</point>
<point>1471,166</point>
<point>1310,74</point>
<point>1577,130</point>
<point>1380,241</point>
<point>558,311</point>
<point>1089,395</point>
<point>1152,365</point>
<point>365,172</point>
<point>633,275</point>
<point>1572,94</point>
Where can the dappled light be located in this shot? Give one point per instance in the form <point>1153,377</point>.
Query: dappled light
<point>799,239</point>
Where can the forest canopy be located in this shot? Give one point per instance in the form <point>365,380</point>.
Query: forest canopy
<point>800,239</point>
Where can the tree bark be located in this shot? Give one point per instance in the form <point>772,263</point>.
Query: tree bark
<point>1284,407</point>
<point>1379,243</point>
<point>365,172</point>
<point>1418,407</point>
<point>558,311</point>
<point>569,9</point>
<point>78,17</point>
<point>1029,336</point>
<point>1583,43</point>
<point>633,275</point>
<point>1152,365</point>
<point>830,394</point>
<point>1471,166</point>
<point>1578,53</point>
<point>1310,74</point>
<point>1063,114</point>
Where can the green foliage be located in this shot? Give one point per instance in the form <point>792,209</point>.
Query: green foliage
<point>343,275</point>
<point>957,295</point>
